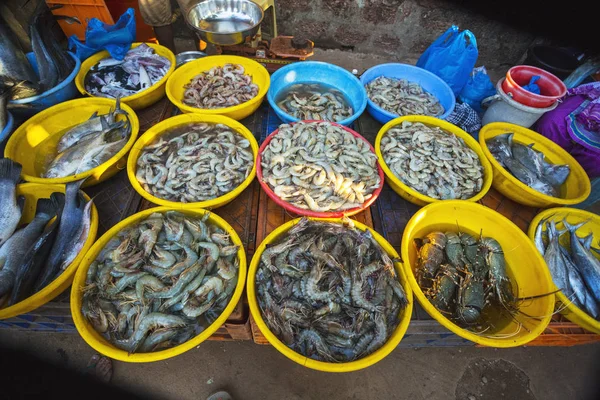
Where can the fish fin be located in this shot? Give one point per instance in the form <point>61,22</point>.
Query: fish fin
<point>510,139</point>
<point>21,203</point>
<point>45,206</point>
<point>59,199</point>
<point>94,115</point>
<point>587,241</point>
<point>10,170</point>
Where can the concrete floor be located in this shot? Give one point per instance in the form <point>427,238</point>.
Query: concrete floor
<point>250,371</point>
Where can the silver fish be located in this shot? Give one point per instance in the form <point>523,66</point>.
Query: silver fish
<point>10,212</point>
<point>85,155</point>
<point>15,248</point>
<point>554,261</point>
<point>96,123</point>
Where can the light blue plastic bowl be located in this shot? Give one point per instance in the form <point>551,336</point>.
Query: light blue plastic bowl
<point>318,72</point>
<point>66,90</point>
<point>429,81</point>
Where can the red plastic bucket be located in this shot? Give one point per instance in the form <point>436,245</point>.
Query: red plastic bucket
<point>551,88</point>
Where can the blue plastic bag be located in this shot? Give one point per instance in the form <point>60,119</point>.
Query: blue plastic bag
<point>452,57</point>
<point>478,87</point>
<point>532,86</point>
<point>99,36</point>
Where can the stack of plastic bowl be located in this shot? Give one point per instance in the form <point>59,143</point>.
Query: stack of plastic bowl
<point>516,105</point>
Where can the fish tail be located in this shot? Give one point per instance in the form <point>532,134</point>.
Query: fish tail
<point>45,206</point>
<point>72,188</point>
<point>573,228</point>
<point>10,170</point>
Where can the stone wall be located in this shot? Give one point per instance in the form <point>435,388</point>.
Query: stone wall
<point>402,28</point>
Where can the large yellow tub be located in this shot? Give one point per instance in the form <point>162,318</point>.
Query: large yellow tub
<point>165,127</point>
<point>101,345</point>
<point>575,190</point>
<point>524,266</point>
<point>367,361</point>
<point>139,100</point>
<point>408,193</point>
<point>33,192</point>
<point>573,217</point>
<point>184,75</point>
<point>34,143</point>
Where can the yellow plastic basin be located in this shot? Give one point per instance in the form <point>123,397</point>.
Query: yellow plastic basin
<point>139,100</point>
<point>408,193</point>
<point>33,192</point>
<point>367,361</point>
<point>525,267</point>
<point>575,190</point>
<point>101,345</point>
<point>573,216</point>
<point>184,75</point>
<point>33,144</point>
<point>165,127</point>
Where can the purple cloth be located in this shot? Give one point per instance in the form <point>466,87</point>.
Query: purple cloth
<point>554,125</point>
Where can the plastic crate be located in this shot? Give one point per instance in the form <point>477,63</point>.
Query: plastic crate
<point>83,10</point>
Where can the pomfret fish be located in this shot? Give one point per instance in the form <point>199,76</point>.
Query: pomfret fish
<point>10,212</point>
<point>15,248</point>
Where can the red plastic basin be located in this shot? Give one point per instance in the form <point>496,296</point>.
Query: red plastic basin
<point>309,213</point>
<point>551,87</point>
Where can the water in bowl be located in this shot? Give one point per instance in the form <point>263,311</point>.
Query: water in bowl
<point>314,101</point>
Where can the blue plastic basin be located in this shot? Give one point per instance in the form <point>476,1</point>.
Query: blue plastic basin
<point>66,90</point>
<point>318,72</point>
<point>430,82</point>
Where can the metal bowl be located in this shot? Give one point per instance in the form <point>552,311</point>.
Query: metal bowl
<point>225,22</point>
<point>187,56</point>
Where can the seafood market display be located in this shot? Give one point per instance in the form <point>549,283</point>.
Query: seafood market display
<point>432,161</point>
<point>402,97</point>
<point>220,87</point>
<point>574,268</point>
<point>160,282</point>
<point>194,163</point>
<point>329,291</point>
<point>528,165</point>
<point>319,166</point>
<point>463,277</point>
<point>54,64</point>
<point>140,69</point>
<point>307,101</point>
<point>89,144</point>
<point>33,256</point>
